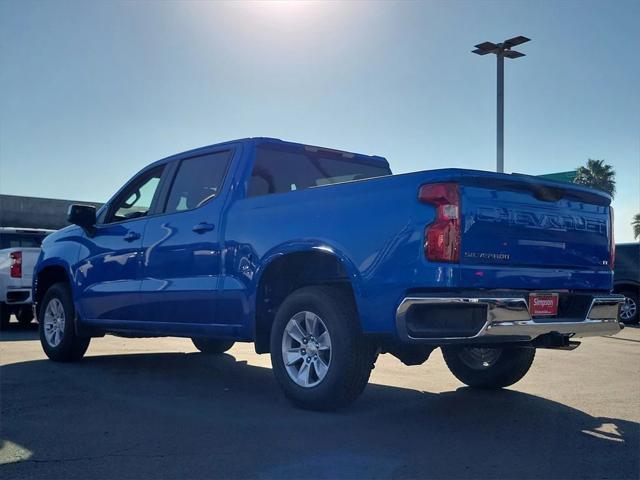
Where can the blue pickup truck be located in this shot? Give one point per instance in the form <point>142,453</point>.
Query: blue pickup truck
<point>324,259</point>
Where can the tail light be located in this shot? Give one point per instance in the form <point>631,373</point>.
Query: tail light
<point>15,270</point>
<point>442,236</point>
<point>612,246</point>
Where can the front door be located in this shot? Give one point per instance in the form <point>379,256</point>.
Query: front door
<point>182,251</point>
<point>109,267</point>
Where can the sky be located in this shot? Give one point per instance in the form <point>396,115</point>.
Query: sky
<point>90,92</point>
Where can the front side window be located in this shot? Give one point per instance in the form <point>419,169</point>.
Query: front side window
<point>278,170</point>
<point>198,180</point>
<point>136,200</point>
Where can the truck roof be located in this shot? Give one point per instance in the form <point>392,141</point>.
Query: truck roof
<point>277,141</point>
<point>272,141</point>
<point>442,172</point>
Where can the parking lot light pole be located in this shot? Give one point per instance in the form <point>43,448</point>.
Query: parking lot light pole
<point>501,50</point>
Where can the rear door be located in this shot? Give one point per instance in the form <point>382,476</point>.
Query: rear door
<point>182,246</point>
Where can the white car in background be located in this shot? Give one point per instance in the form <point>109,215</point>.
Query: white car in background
<point>19,250</point>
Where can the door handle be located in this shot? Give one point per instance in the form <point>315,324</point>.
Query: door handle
<point>131,236</point>
<point>203,227</point>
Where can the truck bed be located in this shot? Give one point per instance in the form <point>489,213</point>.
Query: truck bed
<point>517,232</point>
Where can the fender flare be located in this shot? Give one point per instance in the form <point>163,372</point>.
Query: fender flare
<point>304,246</point>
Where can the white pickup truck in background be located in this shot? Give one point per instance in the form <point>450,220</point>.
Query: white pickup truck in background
<point>19,250</point>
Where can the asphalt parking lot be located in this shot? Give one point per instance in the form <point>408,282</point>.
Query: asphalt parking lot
<point>155,408</point>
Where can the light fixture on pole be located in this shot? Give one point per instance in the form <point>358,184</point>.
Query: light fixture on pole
<point>502,51</point>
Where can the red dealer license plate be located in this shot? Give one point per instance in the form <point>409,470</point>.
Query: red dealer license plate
<point>543,304</point>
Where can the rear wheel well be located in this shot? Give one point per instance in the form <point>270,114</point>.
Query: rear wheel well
<point>287,274</point>
<point>46,278</point>
<point>627,287</point>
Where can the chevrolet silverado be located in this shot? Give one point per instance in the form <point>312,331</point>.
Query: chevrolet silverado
<point>324,259</point>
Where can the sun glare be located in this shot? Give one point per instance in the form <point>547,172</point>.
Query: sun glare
<point>285,10</point>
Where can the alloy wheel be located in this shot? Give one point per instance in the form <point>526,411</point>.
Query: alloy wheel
<point>628,309</point>
<point>306,349</point>
<point>54,320</point>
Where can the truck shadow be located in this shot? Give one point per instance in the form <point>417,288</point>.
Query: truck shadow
<point>178,415</point>
<point>14,332</point>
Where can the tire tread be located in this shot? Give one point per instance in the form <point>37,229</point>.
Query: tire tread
<point>72,347</point>
<point>512,365</point>
<point>357,365</point>
<point>212,346</point>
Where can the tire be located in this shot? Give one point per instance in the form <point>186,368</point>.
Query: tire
<point>58,338</point>
<point>343,357</point>
<point>5,316</point>
<point>24,315</point>
<point>629,312</point>
<point>212,345</point>
<point>502,367</point>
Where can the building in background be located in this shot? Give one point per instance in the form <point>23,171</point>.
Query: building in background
<point>32,212</point>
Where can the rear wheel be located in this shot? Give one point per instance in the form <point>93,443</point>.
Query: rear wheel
<point>212,345</point>
<point>629,309</point>
<point>488,368</point>
<point>319,356</point>
<point>56,326</point>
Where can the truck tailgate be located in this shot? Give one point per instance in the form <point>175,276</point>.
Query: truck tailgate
<point>29,259</point>
<point>521,221</point>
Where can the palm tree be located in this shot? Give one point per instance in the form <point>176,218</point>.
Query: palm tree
<point>597,174</point>
<point>636,225</point>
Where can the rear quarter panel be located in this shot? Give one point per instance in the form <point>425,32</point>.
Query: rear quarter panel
<point>375,227</point>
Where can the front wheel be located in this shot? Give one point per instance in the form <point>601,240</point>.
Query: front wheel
<point>212,346</point>
<point>319,356</point>
<point>56,326</point>
<point>488,368</point>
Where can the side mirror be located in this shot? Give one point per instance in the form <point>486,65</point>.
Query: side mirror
<point>82,215</point>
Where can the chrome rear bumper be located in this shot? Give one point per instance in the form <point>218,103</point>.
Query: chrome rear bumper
<point>509,319</point>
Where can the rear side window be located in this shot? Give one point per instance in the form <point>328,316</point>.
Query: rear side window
<point>198,180</point>
<point>278,170</point>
